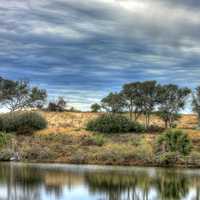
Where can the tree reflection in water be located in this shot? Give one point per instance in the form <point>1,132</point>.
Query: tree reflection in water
<point>116,187</point>
<point>22,184</point>
<point>25,182</point>
<point>172,185</point>
<point>140,185</point>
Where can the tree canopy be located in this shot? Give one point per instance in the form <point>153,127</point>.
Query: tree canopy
<point>114,103</point>
<point>17,95</point>
<point>171,100</point>
<point>196,102</point>
<point>95,107</point>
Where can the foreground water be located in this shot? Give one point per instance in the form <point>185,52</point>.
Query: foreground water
<point>71,182</point>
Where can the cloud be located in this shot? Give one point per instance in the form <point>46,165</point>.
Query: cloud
<point>75,47</point>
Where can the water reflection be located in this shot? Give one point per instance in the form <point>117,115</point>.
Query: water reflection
<point>49,182</point>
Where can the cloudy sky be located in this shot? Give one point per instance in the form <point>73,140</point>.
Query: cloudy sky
<point>83,49</point>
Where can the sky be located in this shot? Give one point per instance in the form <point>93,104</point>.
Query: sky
<point>83,49</point>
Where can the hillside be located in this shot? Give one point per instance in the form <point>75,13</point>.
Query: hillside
<point>64,122</point>
<point>66,141</point>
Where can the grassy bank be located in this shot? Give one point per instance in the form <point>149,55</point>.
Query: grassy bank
<point>66,141</point>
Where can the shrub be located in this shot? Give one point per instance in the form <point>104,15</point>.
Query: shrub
<point>174,141</point>
<point>22,122</point>
<point>155,129</point>
<point>167,158</point>
<point>194,158</point>
<point>113,123</point>
<point>97,140</point>
<point>6,154</point>
<point>4,139</point>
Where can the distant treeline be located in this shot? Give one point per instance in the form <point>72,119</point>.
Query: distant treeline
<point>145,98</point>
<point>138,98</point>
<point>19,95</point>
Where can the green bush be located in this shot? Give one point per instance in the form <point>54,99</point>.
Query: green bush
<point>4,139</point>
<point>113,123</point>
<point>174,141</point>
<point>97,140</point>
<point>167,158</point>
<point>22,122</point>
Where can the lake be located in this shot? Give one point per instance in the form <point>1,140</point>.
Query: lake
<point>20,181</point>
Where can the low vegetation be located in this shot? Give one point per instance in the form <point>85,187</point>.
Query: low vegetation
<point>22,122</point>
<point>114,123</point>
<point>174,141</point>
<point>4,139</point>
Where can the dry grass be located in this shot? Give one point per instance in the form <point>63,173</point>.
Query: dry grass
<point>66,140</point>
<point>73,123</point>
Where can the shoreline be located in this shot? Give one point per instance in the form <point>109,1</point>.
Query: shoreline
<point>197,167</point>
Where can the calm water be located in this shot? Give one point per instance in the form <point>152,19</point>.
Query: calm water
<point>70,182</point>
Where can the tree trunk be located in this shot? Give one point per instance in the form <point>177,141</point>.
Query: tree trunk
<point>136,115</point>
<point>198,120</point>
<point>166,124</point>
<point>146,121</point>
<point>131,111</point>
<point>131,114</point>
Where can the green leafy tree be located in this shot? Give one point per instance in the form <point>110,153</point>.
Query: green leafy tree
<point>37,97</point>
<point>149,99</point>
<point>196,102</point>
<point>171,100</point>
<point>6,88</point>
<point>17,95</point>
<point>141,98</point>
<point>114,103</point>
<point>95,107</point>
<point>131,93</point>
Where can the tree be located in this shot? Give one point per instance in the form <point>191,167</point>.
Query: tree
<point>114,103</point>
<point>58,106</point>
<point>141,98</point>
<point>61,103</point>
<point>149,98</point>
<point>171,100</point>
<point>131,93</point>
<point>196,102</point>
<point>37,97</point>
<point>17,95</point>
<point>95,107</point>
<point>6,88</point>
<point>52,107</point>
